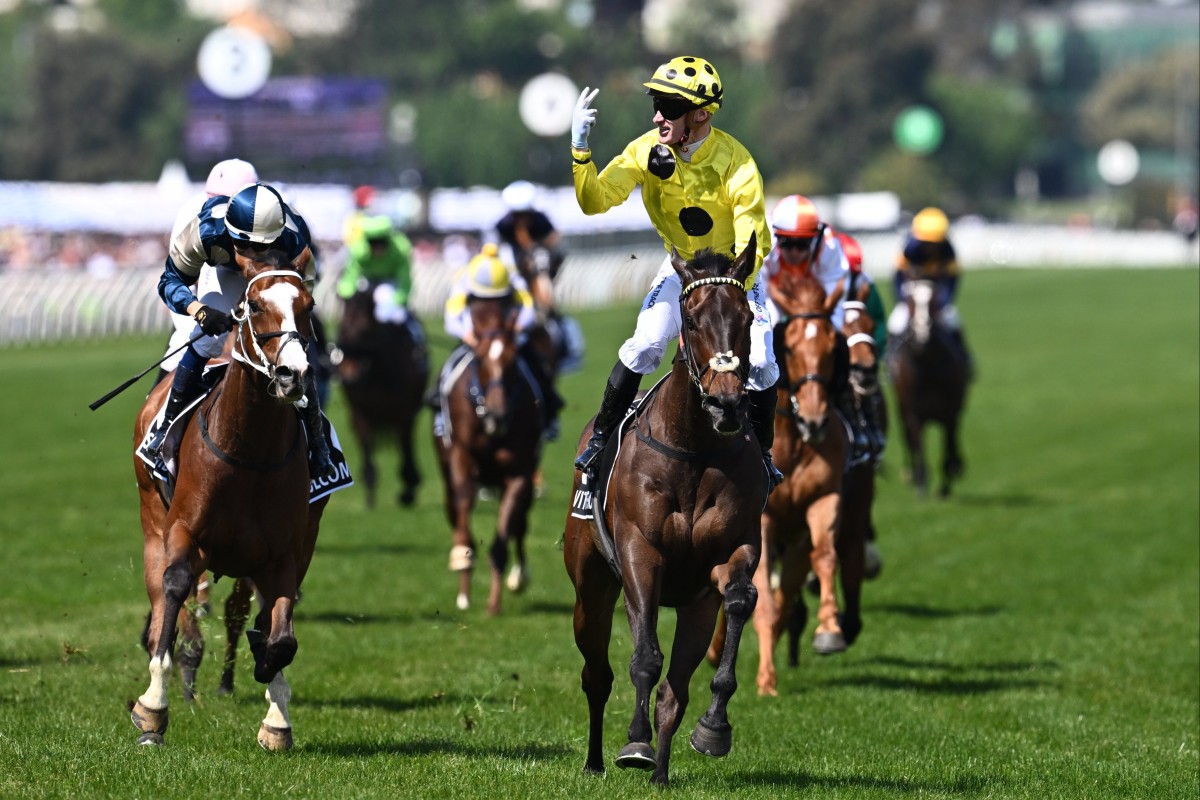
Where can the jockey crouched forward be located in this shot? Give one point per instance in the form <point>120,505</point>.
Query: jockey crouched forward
<point>927,254</point>
<point>381,255</point>
<point>487,277</point>
<point>702,190</point>
<point>806,245</point>
<point>252,220</point>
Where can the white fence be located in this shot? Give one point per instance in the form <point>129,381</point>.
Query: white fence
<point>37,307</point>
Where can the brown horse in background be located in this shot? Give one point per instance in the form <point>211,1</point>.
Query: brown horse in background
<point>240,504</point>
<point>493,438</point>
<point>802,517</point>
<point>383,373</point>
<point>682,508</point>
<point>929,370</point>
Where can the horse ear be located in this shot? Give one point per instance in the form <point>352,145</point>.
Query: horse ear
<point>677,261</point>
<point>743,265</point>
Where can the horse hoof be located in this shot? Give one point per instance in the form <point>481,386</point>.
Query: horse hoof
<point>274,740</point>
<point>148,720</point>
<point>872,561</point>
<point>150,738</point>
<point>462,558</point>
<point>636,755</point>
<point>463,602</point>
<point>709,741</point>
<point>518,579</point>
<point>829,643</point>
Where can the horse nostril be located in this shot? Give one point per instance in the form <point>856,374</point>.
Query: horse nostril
<point>284,373</point>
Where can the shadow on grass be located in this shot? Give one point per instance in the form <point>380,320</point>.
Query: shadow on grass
<point>997,666</point>
<point>553,609</point>
<point>936,685</point>
<point>365,548</point>
<point>929,612</point>
<point>521,752</point>
<point>798,780</point>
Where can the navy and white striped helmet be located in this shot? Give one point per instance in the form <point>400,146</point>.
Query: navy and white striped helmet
<point>255,214</point>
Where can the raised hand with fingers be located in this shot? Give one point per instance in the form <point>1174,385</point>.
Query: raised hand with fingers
<point>583,118</point>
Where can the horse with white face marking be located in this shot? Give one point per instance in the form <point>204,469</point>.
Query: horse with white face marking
<point>240,501</point>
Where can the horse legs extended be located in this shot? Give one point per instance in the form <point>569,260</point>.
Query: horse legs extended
<point>277,648</point>
<point>596,593</point>
<point>410,476</point>
<point>237,610</point>
<point>646,663</point>
<point>858,495</point>
<point>767,614</point>
<point>713,735</point>
<point>823,522</point>
<point>511,526</point>
<point>952,463</point>
<point>366,446</point>
<point>693,630</point>
<point>168,592</point>
<point>915,440</point>
<point>275,733</point>
<point>460,500</point>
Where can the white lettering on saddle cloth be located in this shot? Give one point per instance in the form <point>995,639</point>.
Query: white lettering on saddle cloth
<point>581,503</point>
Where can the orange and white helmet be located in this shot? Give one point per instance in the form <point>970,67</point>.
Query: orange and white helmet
<point>795,216</point>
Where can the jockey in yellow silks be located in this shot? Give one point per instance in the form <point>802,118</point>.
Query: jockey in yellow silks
<point>702,190</point>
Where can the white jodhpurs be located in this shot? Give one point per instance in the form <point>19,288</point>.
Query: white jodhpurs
<point>216,287</point>
<point>658,323</point>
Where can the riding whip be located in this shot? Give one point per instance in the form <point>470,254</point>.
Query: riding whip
<point>136,378</point>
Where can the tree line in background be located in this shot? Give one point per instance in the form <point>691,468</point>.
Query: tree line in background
<point>101,98</point>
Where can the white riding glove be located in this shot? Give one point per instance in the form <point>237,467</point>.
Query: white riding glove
<point>583,118</point>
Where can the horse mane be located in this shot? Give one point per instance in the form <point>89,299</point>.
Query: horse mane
<point>711,263</point>
<point>271,259</point>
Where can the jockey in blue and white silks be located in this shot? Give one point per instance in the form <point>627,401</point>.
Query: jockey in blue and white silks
<point>254,219</point>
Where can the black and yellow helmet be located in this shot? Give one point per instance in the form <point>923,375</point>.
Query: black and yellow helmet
<point>690,78</point>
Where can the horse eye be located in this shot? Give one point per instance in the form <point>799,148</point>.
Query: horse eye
<point>691,323</point>
<point>254,307</point>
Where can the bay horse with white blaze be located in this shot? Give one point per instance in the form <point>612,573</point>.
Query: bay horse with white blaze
<point>682,508</point>
<point>240,505</point>
<point>383,372</point>
<point>492,437</point>
<point>929,370</point>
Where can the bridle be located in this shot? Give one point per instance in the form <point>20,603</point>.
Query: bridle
<point>721,362</point>
<point>258,359</point>
<point>810,377</point>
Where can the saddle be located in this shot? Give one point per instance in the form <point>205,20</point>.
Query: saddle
<point>213,374</point>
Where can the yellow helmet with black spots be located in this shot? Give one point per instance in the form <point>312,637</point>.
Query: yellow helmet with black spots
<point>690,78</point>
<point>487,275</point>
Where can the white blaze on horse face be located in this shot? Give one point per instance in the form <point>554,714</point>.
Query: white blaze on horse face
<point>810,330</point>
<point>496,350</point>
<point>282,296</point>
<point>851,315</point>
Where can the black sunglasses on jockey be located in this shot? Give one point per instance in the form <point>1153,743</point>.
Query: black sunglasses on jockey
<point>672,107</point>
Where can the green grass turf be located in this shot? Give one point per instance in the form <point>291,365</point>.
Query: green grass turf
<point>1035,636</point>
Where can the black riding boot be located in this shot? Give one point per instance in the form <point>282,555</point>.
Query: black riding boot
<point>872,411</point>
<point>619,392</point>
<point>762,420</point>
<point>320,463</point>
<point>184,388</point>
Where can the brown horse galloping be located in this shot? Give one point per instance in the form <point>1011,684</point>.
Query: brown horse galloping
<point>241,498</point>
<point>493,438</point>
<point>383,373</point>
<point>682,508</point>
<point>929,370</point>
